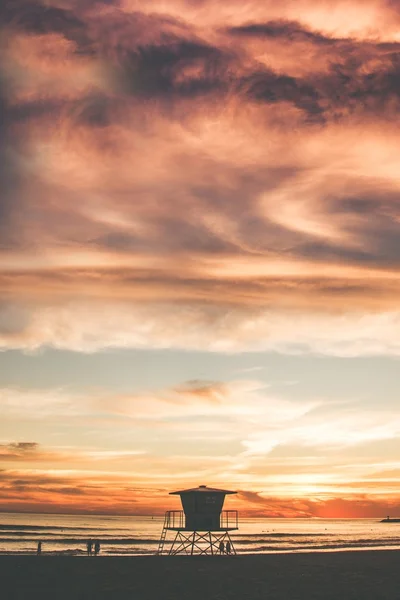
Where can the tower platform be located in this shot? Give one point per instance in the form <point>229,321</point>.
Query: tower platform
<point>202,540</point>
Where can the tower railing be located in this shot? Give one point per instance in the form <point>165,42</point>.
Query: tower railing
<point>229,519</point>
<point>175,519</point>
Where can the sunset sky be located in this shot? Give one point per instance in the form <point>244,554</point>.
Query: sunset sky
<point>200,255</point>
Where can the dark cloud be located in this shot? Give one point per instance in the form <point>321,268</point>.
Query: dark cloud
<point>36,18</point>
<point>95,111</point>
<point>23,112</point>
<point>68,491</point>
<point>269,87</point>
<point>352,88</point>
<point>350,507</point>
<point>155,70</point>
<point>31,479</point>
<point>290,31</point>
<point>362,77</point>
<point>180,66</point>
<point>276,507</point>
<point>372,219</point>
<point>347,88</point>
<point>23,446</point>
<point>18,451</point>
<point>9,170</point>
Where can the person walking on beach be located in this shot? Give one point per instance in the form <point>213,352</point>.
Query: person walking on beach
<point>221,547</point>
<point>96,548</point>
<point>89,548</point>
<point>39,549</point>
<point>228,547</point>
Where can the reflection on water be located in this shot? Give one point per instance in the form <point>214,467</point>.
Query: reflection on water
<point>139,535</point>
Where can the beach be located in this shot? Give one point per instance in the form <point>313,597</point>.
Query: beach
<point>362,575</point>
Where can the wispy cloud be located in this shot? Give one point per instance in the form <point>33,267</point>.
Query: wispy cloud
<point>237,432</point>
<point>184,153</point>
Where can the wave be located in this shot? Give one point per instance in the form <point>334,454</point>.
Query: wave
<point>257,545</point>
<point>53,528</point>
<point>314,540</point>
<point>19,536</point>
<point>117,541</point>
<point>315,547</point>
<point>281,535</point>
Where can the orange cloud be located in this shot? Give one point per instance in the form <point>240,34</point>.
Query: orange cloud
<point>40,492</point>
<point>235,432</point>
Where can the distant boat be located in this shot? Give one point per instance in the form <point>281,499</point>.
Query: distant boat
<point>389,520</point>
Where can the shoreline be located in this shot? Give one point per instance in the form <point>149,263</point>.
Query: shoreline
<point>78,553</point>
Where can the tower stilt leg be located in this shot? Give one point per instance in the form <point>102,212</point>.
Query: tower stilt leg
<point>200,542</point>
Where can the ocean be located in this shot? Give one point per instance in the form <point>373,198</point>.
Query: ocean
<point>68,534</point>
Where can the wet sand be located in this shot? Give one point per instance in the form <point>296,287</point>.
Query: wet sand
<point>366,575</point>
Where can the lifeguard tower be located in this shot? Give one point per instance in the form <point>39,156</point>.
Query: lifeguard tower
<point>202,527</point>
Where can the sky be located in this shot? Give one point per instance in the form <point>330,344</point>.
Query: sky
<point>199,255</point>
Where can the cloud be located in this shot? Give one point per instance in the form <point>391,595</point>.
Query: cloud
<point>65,492</point>
<point>32,452</point>
<point>346,508</point>
<point>286,450</point>
<point>232,426</point>
<point>187,401</point>
<point>18,451</point>
<point>37,19</point>
<point>37,405</point>
<point>282,29</point>
<point>90,327</point>
<point>176,178</point>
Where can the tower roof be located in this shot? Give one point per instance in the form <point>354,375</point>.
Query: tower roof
<point>202,489</point>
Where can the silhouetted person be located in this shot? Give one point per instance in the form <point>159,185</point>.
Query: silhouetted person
<point>39,549</point>
<point>96,548</point>
<point>89,548</point>
<point>221,547</point>
<point>228,547</point>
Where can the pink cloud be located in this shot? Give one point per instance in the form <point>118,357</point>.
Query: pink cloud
<point>180,160</point>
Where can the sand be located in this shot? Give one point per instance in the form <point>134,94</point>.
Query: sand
<point>366,575</point>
